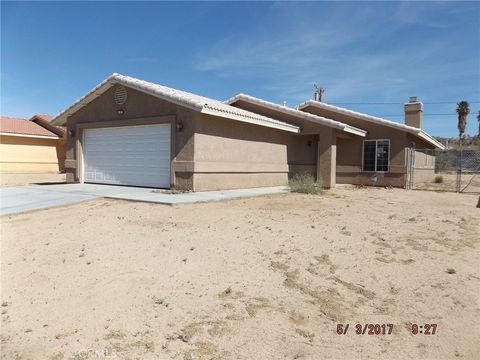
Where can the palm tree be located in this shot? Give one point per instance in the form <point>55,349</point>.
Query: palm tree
<point>463,109</point>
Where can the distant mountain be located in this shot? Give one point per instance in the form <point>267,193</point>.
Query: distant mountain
<point>469,142</point>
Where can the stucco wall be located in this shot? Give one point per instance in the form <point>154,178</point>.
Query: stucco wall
<point>24,154</point>
<point>103,112</point>
<point>231,154</point>
<point>350,157</point>
<point>424,167</point>
<point>325,152</point>
<point>424,160</point>
<point>62,153</point>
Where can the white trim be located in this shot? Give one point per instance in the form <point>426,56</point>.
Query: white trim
<point>285,126</point>
<point>60,119</point>
<point>355,131</point>
<point>182,98</point>
<point>359,115</point>
<point>297,113</point>
<point>427,137</point>
<point>30,136</point>
<point>377,120</point>
<point>81,175</point>
<point>363,156</point>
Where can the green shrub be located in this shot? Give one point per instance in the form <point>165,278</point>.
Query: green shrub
<point>438,179</point>
<point>305,183</point>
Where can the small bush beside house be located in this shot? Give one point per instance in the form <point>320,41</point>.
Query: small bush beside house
<point>305,183</point>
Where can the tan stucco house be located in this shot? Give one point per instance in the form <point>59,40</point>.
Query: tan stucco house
<point>128,131</point>
<point>31,145</point>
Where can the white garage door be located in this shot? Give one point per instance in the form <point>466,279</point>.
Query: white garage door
<point>129,155</point>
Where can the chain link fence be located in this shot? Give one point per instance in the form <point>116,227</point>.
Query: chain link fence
<point>447,170</point>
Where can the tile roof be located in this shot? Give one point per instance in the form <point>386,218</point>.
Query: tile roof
<point>297,113</point>
<point>195,102</point>
<point>20,126</point>
<point>374,119</point>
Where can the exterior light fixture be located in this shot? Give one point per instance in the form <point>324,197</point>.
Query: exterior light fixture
<point>180,126</point>
<point>120,111</point>
<point>71,132</point>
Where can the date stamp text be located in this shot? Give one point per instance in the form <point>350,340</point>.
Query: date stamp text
<point>384,329</point>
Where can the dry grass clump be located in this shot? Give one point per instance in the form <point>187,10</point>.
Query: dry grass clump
<point>305,183</point>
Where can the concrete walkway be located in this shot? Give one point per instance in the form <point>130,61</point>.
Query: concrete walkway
<point>193,197</point>
<point>26,198</point>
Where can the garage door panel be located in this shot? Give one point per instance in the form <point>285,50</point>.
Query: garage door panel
<point>134,155</point>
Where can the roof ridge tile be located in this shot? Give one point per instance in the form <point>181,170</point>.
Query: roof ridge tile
<point>183,98</point>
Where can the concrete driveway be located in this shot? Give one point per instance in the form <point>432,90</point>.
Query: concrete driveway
<point>26,198</point>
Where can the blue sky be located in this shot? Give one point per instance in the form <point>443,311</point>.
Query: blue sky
<point>54,52</point>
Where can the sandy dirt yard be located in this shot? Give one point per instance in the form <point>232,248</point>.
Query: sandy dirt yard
<point>262,278</point>
<point>470,183</point>
<point>18,179</point>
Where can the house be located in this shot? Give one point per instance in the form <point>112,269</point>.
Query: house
<point>128,131</point>
<point>33,145</point>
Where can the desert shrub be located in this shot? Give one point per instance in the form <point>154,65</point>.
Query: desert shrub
<point>305,183</point>
<point>438,179</point>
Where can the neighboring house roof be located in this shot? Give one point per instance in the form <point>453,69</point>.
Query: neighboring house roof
<point>23,127</point>
<point>195,102</point>
<point>377,120</point>
<point>297,113</point>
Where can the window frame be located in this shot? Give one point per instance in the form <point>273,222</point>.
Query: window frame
<point>376,147</point>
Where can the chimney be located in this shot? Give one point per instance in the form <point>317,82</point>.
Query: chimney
<point>413,112</point>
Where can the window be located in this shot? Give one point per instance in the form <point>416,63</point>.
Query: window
<point>376,155</point>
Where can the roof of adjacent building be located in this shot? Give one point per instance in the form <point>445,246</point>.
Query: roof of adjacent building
<point>23,127</point>
<point>46,122</point>
<point>374,119</point>
<point>195,102</point>
<point>297,113</point>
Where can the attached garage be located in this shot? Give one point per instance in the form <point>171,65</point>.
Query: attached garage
<point>128,155</point>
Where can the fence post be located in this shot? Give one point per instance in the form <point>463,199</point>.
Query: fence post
<point>407,168</point>
<point>459,171</point>
<point>410,162</point>
<point>410,179</point>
